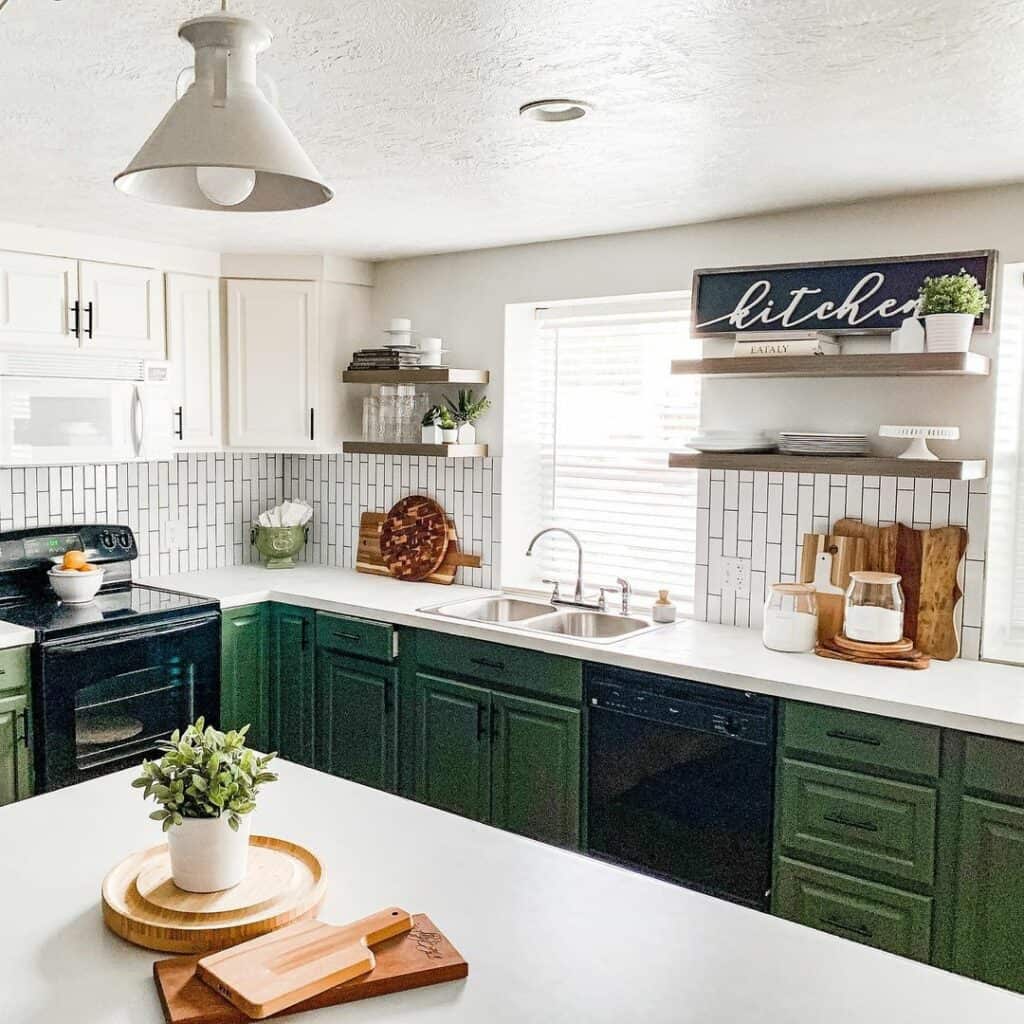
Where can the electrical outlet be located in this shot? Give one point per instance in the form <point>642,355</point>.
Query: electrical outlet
<point>736,576</point>
<point>173,535</point>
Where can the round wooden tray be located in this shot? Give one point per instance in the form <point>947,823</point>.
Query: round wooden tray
<point>285,883</point>
<point>904,647</point>
<point>414,538</point>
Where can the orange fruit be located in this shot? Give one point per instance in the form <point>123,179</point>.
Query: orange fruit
<point>74,559</point>
<point>86,567</point>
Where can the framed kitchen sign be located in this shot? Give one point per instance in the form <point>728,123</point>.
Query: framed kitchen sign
<point>838,297</point>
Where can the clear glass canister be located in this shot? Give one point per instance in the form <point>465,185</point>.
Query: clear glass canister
<point>873,611</point>
<point>790,618</point>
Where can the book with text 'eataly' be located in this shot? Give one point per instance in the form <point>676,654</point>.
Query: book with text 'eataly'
<point>785,343</point>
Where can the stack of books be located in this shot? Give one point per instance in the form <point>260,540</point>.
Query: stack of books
<point>785,343</point>
<point>394,357</point>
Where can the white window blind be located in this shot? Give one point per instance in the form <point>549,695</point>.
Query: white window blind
<point>609,412</point>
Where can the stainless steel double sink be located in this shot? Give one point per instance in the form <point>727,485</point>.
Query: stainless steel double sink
<point>542,617</point>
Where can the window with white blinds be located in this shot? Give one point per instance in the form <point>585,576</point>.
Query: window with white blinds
<point>608,412</point>
<point>1003,633</point>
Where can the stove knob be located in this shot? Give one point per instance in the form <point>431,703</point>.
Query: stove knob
<point>107,539</point>
<point>125,540</point>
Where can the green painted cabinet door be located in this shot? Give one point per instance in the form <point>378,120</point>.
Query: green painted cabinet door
<point>990,894</point>
<point>356,720</point>
<point>535,769</point>
<point>15,748</point>
<point>453,747</point>
<point>244,681</point>
<point>292,669</point>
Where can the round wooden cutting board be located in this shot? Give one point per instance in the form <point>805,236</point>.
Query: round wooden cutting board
<point>414,538</point>
<point>141,903</point>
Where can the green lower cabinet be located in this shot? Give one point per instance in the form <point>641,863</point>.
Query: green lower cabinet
<point>15,747</point>
<point>875,915</point>
<point>292,673</point>
<point>453,756</point>
<point>356,720</point>
<point>535,769</point>
<point>989,906</point>
<point>245,683</point>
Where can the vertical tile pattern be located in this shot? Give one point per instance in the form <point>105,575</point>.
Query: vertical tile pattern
<point>779,508</point>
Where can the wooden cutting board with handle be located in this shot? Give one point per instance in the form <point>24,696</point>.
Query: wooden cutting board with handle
<point>370,560</point>
<point>416,958</point>
<point>275,971</point>
<point>414,538</point>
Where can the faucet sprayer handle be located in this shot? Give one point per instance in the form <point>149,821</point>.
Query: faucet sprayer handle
<point>555,594</point>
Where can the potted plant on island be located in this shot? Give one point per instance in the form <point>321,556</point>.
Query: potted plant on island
<point>949,305</point>
<point>449,428</point>
<point>430,429</point>
<point>467,410</point>
<point>206,784</point>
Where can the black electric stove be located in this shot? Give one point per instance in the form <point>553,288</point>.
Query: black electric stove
<point>116,675</point>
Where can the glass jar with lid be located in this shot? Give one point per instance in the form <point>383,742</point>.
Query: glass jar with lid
<point>873,609</point>
<point>790,618</point>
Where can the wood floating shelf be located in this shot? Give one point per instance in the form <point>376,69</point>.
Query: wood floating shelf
<point>942,469</point>
<point>424,375</point>
<point>877,364</point>
<point>444,451</point>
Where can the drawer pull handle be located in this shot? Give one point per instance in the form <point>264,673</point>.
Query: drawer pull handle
<point>854,737</point>
<point>498,666</point>
<point>349,636</point>
<point>841,819</point>
<point>855,929</point>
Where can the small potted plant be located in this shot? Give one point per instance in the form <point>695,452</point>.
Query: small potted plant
<point>206,784</point>
<point>466,411</point>
<point>949,305</point>
<point>449,428</point>
<point>430,430</point>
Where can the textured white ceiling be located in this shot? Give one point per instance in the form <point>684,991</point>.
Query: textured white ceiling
<point>703,109</point>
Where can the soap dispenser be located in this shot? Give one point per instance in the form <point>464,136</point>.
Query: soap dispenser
<point>663,610</point>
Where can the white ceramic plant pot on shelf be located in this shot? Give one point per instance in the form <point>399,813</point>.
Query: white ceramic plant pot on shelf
<point>449,436</point>
<point>948,332</point>
<point>467,433</point>
<point>431,434</point>
<point>207,855</point>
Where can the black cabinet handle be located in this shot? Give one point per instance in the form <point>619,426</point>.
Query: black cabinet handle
<point>304,635</point>
<point>76,311</point>
<point>841,819</point>
<point>180,432</point>
<point>854,929</point>
<point>88,326</point>
<point>352,637</point>
<point>481,721</point>
<point>495,724</point>
<point>23,715</point>
<point>853,737</point>
<point>498,666</point>
<point>312,422</point>
<point>389,700</point>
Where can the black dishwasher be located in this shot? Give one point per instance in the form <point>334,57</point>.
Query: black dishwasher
<point>681,780</point>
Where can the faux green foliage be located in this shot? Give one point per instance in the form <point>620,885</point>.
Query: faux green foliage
<point>467,409</point>
<point>444,420</point>
<point>204,774</point>
<point>952,293</point>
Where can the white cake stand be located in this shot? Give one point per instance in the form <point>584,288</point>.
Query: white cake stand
<point>919,438</point>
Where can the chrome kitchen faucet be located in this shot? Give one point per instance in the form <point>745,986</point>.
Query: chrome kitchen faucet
<point>578,599</point>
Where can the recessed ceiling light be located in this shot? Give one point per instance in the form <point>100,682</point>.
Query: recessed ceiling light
<point>554,111</point>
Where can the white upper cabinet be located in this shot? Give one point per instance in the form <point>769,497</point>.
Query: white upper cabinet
<point>273,364</point>
<point>122,310</point>
<point>38,296</point>
<point>194,351</point>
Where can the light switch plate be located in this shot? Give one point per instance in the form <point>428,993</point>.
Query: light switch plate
<point>173,535</point>
<point>736,576</point>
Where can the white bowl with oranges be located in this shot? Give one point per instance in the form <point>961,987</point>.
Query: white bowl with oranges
<point>74,579</point>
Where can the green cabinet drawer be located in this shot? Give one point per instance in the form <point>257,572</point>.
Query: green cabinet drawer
<point>994,766</point>
<point>875,915</point>
<point>861,740</point>
<point>858,821</point>
<point>358,638</point>
<point>15,669</point>
<point>513,668</point>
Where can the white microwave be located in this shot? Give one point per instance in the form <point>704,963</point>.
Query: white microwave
<point>59,420</point>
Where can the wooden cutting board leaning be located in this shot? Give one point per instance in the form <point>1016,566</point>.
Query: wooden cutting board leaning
<point>414,538</point>
<point>842,555</point>
<point>422,956</point>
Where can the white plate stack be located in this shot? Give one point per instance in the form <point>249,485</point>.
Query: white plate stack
<point>793,442</point>
<point>732,441</point>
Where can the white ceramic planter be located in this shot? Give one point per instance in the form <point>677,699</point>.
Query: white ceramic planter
<point>467,433</point>
<point>449,436</point>
<point>431,434</point>
<point>948,332</point>
<point>206,855</point>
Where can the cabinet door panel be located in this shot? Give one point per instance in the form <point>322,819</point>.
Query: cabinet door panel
<point>36,296</point>
<point>194,350</point>
<point>273,350</point>
<point>990,894</point>
<point>536,769</point>
<point>127,310</point>
<point>453,756</point>
<point>244,696</point>
<point>15,749</point>
<point>292,665</point>
<point>356,720</point>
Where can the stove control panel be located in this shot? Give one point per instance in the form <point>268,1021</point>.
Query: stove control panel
<point>40,547</point>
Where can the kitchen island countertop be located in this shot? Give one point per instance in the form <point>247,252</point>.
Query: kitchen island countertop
<point>973,696</point>
<point>550,936</point>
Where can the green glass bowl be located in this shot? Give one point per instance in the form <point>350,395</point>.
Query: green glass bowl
<point>279,544</point>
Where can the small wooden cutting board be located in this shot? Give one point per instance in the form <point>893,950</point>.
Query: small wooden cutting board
<point>420,957</point>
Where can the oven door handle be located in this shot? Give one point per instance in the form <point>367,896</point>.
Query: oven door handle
<point>84,646</point>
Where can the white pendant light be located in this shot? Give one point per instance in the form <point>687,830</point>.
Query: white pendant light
<point>223,145</point>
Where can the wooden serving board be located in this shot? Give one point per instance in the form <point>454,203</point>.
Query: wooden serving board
<point>370,560</point>
<point>420,957</point>
<point>414,538</point>
<point>141,903</point>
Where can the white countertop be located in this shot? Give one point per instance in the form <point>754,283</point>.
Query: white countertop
<point>15,636</point>
<point>973,696</point>
<point>550,936</point>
